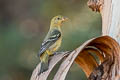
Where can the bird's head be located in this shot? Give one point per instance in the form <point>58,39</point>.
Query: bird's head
<point>58,20</point>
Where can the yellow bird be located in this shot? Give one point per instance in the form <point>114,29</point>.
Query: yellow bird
<point>52,42</point>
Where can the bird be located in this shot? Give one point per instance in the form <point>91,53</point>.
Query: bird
<point>52,42</point>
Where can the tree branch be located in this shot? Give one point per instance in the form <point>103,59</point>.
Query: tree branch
<point>54,60</point>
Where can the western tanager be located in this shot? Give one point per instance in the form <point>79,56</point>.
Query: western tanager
<point>52,42</point>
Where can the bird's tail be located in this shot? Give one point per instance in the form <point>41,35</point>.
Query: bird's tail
<point>44,63</point>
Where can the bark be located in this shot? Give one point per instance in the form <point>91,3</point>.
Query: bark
<point>109,69</point>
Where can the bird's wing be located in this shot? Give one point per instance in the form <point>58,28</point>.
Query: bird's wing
<point>50,40</point>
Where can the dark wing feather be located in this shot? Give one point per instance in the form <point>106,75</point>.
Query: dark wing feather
<point>54,36</point>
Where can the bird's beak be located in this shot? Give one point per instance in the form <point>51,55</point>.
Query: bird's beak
<point>64,19</point>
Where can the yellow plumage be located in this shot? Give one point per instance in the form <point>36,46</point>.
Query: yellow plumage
<point>52,42</point>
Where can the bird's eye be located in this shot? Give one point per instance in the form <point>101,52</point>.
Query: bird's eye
<point>58,18</point>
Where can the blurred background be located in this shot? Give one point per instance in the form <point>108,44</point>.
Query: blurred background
<point>24,24</point>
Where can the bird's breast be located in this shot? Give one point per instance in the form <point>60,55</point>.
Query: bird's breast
<point>56,45</point>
